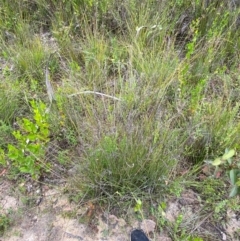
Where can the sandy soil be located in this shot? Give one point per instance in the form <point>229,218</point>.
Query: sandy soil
<point>52,218</point>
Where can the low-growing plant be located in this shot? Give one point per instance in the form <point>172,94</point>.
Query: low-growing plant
<point>180,233</point>
<point>233,166</point>
<point>138,208</point>
<point>63,157</point>
<point>10,104</point>
<point>176,229</point>
<point>27,154</point>
<point>4,223</point>
<point>5,133</point>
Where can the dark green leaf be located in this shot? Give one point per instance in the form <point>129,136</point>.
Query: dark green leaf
<point>234,191</point>
<point>233,176</point>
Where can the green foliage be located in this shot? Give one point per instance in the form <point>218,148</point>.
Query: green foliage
<point>180,233</point>
<point>4,223</point>
<point>30,59</point>
<point>63,157</point>
<point>5,134</point>
<point>175,228</point>
<point>27,154</point>
<point>10,102</point>
<point>172,68</point>
<point>140,167</point>
<point>161,215</point>
<point>233,167</point>
<point>138,206</point>
<point>195,239</point>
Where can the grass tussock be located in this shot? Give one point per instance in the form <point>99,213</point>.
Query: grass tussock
<point>144,90</point>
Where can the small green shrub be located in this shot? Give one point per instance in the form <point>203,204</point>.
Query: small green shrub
<point>233,167</point>
<point>27,155</point>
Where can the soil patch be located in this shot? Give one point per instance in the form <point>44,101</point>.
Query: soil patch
<point>54,219</point>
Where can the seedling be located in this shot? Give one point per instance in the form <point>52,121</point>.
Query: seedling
<point>233,167</point>
<point>27,155</point>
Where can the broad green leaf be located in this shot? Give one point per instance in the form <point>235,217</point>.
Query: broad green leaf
<point>38,118</point>
<point>228,155</point>
<point>32,137</point>
<point>234,191</point>
<point>29,126</point>
<point>17,134</point>
<point>13,152</point>
<point>217,162</point>
<point>233,176</point>
<point>29,162</point>
<point>24,169</point>
<point>35,148</point>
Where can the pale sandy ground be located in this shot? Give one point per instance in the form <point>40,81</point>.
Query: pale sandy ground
<point>47,222</point>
